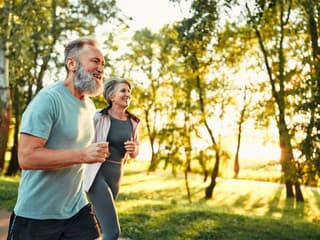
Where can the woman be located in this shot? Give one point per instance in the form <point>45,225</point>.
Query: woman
<point>116,126</point>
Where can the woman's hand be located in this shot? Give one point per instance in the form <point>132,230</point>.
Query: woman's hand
<point>131,148</point>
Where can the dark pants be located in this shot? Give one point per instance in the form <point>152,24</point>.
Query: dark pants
<point>82,226</point>
<point>102,195</point>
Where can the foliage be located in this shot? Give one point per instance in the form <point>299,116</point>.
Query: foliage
<point>32,30</point>
<point>198,55</point>
<point>143,58</point>
<point>309,104</point>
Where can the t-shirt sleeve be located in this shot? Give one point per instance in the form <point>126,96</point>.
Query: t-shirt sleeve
<point>38,118</point>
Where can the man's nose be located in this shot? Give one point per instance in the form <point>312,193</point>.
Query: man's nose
<point>100,68</point>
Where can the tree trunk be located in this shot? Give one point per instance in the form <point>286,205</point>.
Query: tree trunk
<point>5,105</point>
<point>153,162</point>
<point>214,175</point>
<point>288,163</point>
<point>187,149</point>
<point>14,168</point>
<point>299,195</point>
<point>215,171</point>
<point>236,167</point>
<point>285,160</point>
<point>310,141</point>
<point>278,92</point>
<point>186,180</point>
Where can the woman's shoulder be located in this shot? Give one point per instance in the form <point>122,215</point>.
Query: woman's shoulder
<point>99,113</point>
<point>133,117</point>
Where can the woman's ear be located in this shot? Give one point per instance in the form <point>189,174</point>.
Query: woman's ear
<point>71,64</point>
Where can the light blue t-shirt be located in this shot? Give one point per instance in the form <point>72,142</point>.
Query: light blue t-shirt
<point>66,123</point>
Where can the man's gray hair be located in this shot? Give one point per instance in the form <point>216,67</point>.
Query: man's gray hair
<point>73,48</point>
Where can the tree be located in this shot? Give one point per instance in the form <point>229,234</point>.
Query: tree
<point>33,47</point>
<point>239,135</point>
<point>5,100</point>
<point>310,104</point>
<point>144,58</point>
<point>5,105</point>
<point>268,12</point>
<point>195,39</point>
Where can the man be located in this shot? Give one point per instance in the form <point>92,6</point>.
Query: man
<point>56,132</point>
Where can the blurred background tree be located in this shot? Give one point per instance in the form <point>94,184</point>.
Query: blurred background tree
<point>226,76</point>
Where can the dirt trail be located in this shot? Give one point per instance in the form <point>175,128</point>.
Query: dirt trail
<point>4,223</point>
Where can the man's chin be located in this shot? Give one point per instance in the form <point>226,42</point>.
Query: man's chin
<point>94,93</point>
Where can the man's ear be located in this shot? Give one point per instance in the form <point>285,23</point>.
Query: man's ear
<point>71,64</point>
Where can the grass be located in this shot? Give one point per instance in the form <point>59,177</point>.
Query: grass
<point>154,206</point>
<point>8,192</point>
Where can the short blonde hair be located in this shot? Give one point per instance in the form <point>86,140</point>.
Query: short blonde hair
<point>109,87</point>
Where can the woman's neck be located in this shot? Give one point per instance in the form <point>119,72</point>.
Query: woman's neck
<point>118,113</point>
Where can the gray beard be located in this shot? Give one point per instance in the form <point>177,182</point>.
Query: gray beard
<point>84,83</point>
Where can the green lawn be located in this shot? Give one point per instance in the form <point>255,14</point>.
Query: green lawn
<point>154,206</point>
<point>8,192</point>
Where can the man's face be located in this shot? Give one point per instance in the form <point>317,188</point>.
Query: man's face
<point>90,71</point>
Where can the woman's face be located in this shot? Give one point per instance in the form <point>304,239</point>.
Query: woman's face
<point>121,96</point>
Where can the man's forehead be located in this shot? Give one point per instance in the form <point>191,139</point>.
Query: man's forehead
<point>91,51</point>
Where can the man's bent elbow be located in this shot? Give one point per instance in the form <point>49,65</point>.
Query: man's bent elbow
<point>23,161</point>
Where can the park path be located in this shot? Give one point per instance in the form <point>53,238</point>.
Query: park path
<point>4,223</point>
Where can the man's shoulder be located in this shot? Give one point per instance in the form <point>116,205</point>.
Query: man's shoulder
<point>51,90</point>
<point>53,87</point>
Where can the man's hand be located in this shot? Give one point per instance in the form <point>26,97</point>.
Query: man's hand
<point>96,152</point>
<point>33,155</point>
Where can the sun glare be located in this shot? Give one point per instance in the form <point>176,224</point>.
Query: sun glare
<point>159,12</point>
<point>252,151</point>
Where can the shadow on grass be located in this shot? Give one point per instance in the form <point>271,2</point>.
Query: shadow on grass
<point>172,192</point>
<point>143,179</point>
<point>171,217</point>
<point>274,203</point>
<point>241,200</point>
<point>135,172</point>
<point>183,223</point>
<point>293,209</point>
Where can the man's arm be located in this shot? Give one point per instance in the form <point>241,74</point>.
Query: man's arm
<point>32,154</point>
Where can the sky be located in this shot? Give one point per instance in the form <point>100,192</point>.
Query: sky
<point>152,13</point>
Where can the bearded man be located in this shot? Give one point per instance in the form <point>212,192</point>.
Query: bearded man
<point>55,141</point>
